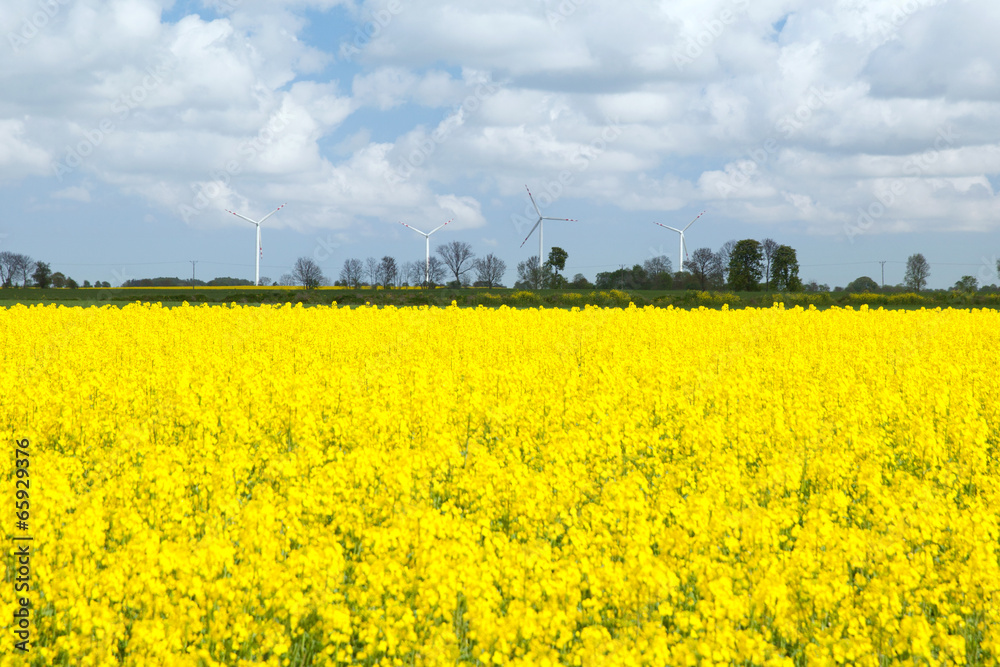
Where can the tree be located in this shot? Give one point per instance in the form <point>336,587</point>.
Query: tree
<point>623,278</point>
<point>436,270</point>
<point>862,284</point>
<point>86,283</point>
<point>490,270</point>
<point>659,270</point>
<point>745,266</point>
<point>23,266</point>
<point>286,280</point>
<point>917,272</point>
<point>58,279</point>
<point>6,268</point>
<point>785,270</point>
<point>14,266</point>
<point>529,277</point>
<point>967,284</point>
<point>72,284</point>
<point>705,266</point>
<point>388,271</point>
<point>557,258</point>
<point>307,273</point>
<point>352,273</point>
<point>768,247</point>
<point>813,286</point>
<point>42,275</point>
<point>458,257</point>
<point>725,252</point>
<point>371,270</point>
<point>580,282</point>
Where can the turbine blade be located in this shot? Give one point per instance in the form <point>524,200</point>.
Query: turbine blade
<point>272,213</point>
<point>695,220</point>
<point>673,229</point>
<point>533,202</point>
<point>252,222</point>
<point>415,229</point>
<point>531,232</point>
<point>437,228</point>
<point>563,219</point>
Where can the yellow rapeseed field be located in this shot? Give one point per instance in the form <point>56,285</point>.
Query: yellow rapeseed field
<point>288,486</point>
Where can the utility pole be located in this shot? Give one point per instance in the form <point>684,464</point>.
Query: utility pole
<point>883,273</point>
<point>623,276</point>
<point>193,262</point>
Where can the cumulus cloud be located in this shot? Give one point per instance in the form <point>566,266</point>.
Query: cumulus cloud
<point>789,112</point>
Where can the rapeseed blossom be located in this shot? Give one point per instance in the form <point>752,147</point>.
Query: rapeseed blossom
<point>285,485</point>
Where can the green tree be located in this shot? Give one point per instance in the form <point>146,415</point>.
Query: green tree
<point>862,284</point>
<point>967,284</point>
<point>785,270</point>
<point>917,271</point>
<point>42,275</point>
<point>768,247</point>
<point>557,258</point>
<point>746,266</point>
<point>58,279</point>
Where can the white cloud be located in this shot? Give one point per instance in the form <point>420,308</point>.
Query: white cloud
<point>708,103</point>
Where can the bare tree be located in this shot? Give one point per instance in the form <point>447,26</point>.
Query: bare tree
<point>7,259</point>
<point>768,247</point>
<point>371,269</point>
<point>388,271</point>
<point>307,273</point>
<point>353,273</point>
<point>436,271</point>
<point>490,270</point>
<point>14,266</point>
<point>917,272</point>
<point>657,265</point>
<point>705,266</point>
<point>458,257</point>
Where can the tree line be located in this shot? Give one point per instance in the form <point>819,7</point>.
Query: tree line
<point>454,264</point>
<point>20,270</point>
<point>743,266</point>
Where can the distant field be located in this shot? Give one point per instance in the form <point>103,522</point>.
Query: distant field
<point>492,297</point>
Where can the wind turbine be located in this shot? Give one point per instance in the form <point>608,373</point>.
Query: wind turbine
<point>538,225</point>
<point>683,246</point>
<point>427,237</point>
<point>260,250</point>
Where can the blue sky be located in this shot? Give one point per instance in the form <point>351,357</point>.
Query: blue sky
<point>853,131</point>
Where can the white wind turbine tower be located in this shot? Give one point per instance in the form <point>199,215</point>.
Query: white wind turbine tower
<point>683,246</point>
<point>260,251</point>
<point>427,237</point>
<point>538,225</point>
